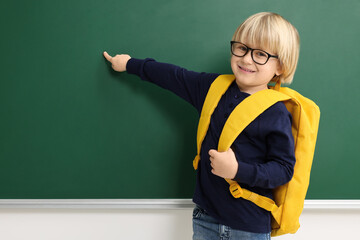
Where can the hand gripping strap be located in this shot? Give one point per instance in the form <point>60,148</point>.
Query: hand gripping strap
<point>217,89</point>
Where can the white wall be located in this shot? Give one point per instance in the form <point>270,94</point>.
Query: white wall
<point>91,224</point>
<point>327,224</point>
<point>159,224</point>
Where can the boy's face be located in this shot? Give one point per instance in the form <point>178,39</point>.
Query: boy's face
<point>252,77</point>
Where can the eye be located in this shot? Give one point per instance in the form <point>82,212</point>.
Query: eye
<point>261,54</point>
<point>242,48</point>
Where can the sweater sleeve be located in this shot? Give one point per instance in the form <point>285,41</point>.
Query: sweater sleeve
<point>189,85</point>
<point>278,167</point>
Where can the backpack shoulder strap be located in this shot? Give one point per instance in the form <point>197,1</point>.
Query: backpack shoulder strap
<point>217,89</point>
<point>246,112</point>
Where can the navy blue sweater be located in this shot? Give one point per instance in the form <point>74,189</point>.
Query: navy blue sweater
<point>264,150</point>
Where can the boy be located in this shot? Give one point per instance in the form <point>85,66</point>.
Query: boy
<point>264,48</point>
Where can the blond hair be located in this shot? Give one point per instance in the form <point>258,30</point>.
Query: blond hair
<point>272,32</point>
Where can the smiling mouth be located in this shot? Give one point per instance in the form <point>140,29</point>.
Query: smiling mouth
<point>246,70</point>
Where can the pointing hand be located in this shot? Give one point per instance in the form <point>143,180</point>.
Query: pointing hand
<point>118,62</point>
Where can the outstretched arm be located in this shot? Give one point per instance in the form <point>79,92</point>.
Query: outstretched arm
<point>189,85</point>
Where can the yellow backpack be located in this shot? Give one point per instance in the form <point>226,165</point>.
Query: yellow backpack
<point>288,199</point>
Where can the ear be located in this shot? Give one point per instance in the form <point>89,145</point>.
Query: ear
<point>279,69</point>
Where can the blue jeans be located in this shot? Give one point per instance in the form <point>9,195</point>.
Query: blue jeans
<point>207,228</point>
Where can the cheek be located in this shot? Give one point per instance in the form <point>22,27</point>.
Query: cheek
<point>269,70</point>
<point>233,63</point>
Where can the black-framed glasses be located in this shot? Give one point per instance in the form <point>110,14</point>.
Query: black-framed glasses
<point>258,56</point>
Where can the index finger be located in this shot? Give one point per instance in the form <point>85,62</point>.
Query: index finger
<point>107,56</point>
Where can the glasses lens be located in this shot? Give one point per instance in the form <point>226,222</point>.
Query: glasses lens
<point>260,57</point>
<point>238,49</point>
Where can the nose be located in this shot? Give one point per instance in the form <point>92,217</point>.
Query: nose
<point>247,57</point>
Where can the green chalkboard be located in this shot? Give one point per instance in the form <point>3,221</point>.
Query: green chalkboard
<point>71,127</point>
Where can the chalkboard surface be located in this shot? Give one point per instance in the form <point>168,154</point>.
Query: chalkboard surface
<point>70,127</point>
